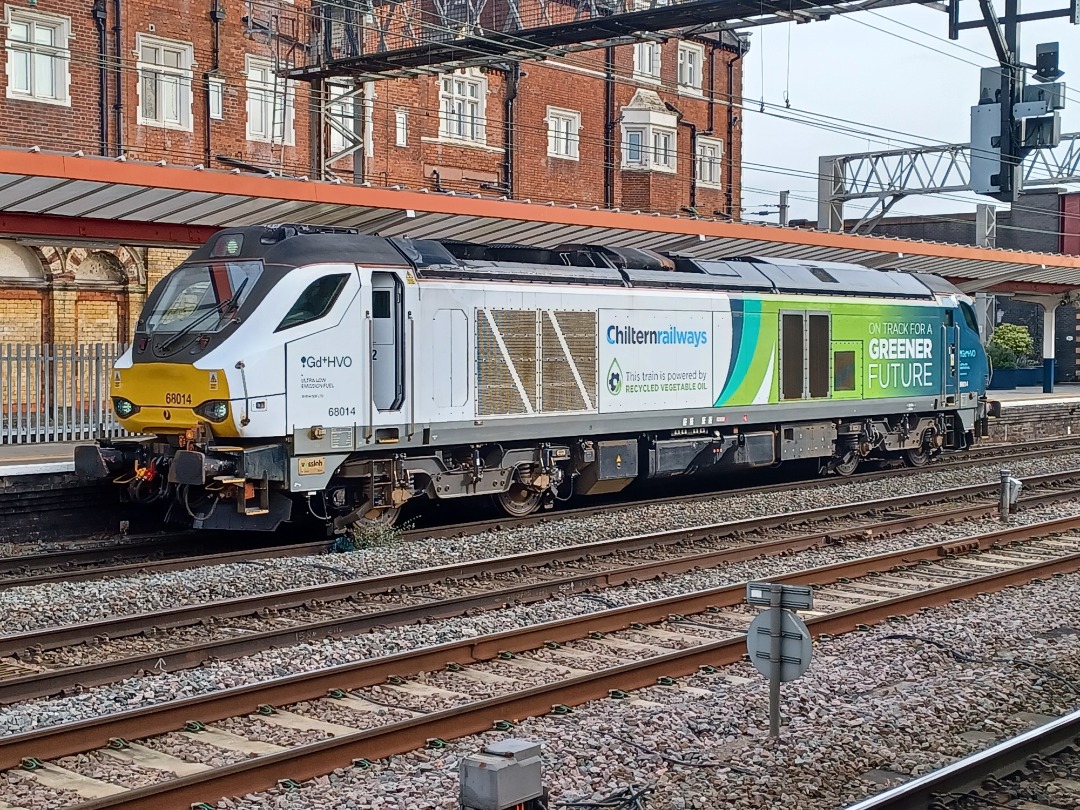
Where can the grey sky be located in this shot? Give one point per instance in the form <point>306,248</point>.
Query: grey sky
<point>846,69</point>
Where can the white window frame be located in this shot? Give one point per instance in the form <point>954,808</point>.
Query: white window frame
<point>691,68</point>
<point>659,134</point>
<point>635,147</point>
<point>60,54</point>
<point>182,76</point>
<point>563,133</point>
<point>401,128</point>
<point>342,111</point>
<point>462,113</point>
<point>710,162</point>
<point>665,149</point>
<point>647,56</point>
<point>260,90</point>
<point>216,90</point>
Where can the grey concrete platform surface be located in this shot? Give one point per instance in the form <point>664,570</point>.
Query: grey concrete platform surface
<point>37,459</point>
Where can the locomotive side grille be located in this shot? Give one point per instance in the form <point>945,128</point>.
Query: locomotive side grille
<point>563,389</point>
<point>530,361</point>
<point>506,374</point>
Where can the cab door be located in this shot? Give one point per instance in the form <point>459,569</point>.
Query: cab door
<point>950,342</point>
<point>387,341</point>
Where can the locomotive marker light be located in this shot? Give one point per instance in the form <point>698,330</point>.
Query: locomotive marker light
<point>777,641</point>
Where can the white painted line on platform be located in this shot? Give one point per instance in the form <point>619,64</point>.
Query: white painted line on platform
<point>1026,403</point>
<point>39,468</point>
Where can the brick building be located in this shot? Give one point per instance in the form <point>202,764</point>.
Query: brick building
<point>652,126</point>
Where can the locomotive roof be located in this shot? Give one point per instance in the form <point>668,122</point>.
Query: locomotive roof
<point>299,245</point>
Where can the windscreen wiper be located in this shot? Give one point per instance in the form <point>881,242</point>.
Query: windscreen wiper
<point>220,309</point>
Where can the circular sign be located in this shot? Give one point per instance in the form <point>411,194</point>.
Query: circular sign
<point>796,645</point>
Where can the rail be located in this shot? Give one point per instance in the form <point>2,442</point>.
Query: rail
<point>56,392</point>
<point>968,773</point>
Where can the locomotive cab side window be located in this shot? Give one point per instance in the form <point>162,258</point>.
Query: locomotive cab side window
<point>969,316</point>
<point>314,302</point>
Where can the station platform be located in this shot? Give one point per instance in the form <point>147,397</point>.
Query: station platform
<point>37,459</point>
<point>1028,413</point>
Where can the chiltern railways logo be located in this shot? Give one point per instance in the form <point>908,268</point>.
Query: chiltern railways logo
<point>614,378</point>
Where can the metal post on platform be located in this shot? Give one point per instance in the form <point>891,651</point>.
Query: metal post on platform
<point>776,636</point>
<point>1003,502</point>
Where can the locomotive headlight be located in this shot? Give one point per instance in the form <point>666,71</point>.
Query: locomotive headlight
<point>216,410</point>
<point>124,407</point>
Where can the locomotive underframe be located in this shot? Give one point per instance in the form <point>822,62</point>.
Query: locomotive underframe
<point>252,483</point>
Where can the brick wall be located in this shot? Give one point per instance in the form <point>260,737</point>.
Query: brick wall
<point>209,54</point>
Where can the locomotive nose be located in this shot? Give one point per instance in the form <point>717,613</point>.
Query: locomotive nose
<point>170,398</point>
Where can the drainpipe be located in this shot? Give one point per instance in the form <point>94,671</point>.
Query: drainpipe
<point>118,107</point>
<point>609,127</point>
<point>513,83</point>
<point>732,120</point>
<point>217,15</point>
<point>693,150</point>
<point>712,90</point>
<point>99,14</point>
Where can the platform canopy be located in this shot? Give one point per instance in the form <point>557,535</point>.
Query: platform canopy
<point>50,198</point>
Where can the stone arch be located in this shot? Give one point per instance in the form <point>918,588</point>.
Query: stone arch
<point>95,266</point>
<point>20,263</point>
<point>52,258</point>
<point>132,266</point>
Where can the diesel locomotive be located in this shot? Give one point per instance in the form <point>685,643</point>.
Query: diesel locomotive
<point>288,370</point>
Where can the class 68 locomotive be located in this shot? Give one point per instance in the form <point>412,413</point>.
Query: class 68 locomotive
<point>292,370</point>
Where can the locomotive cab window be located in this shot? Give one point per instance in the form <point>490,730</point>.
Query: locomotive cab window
<point>969,316</point>
<point>314,302</point>
<point>202,296</point>
<point>380,304</point>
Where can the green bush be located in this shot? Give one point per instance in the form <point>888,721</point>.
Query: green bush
<point>1001,356</point>
<point>1016,339</point>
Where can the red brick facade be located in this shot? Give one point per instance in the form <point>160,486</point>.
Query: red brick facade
<point>418,152</point>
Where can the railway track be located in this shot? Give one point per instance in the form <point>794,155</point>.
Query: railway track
<point>180,550</point>
<point>36,662</point>
<point>1037,770</point>
<point>467,686</point>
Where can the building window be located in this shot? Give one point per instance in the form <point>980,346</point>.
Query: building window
<point>650,147</point>
<point>38,57</point>
<point>216,90</point>
<point>691,59</point>
<point>663,151</point>
<point>709,154</point>
<point>462,107</point>
<point>165,83</point>
<point>401,128</point>
<point>634,147</point>
<point>563,129</point>
<point>647,61</point>
<point>270,104</point>
<point>341,117</point>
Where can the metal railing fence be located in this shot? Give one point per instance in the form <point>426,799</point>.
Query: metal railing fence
<point>56,392</point>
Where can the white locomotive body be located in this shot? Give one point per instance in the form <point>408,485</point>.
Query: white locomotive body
<point>290,368</point>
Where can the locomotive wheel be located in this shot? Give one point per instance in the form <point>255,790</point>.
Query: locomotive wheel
<point>847,465</point>
<point>917,458</point>
<point>519,500</point>
<point>386,517</point>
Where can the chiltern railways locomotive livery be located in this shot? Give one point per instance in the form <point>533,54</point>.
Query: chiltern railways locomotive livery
<point>286,370</point>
